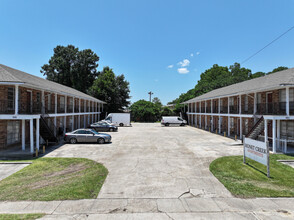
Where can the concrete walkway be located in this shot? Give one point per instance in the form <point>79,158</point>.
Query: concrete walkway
<point>160,173</point>
<point>7,169</point>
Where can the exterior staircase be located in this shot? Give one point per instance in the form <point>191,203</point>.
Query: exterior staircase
<point>256,130</point>
<point>46,132</point>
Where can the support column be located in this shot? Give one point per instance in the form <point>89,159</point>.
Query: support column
<point>240,105</point>
<point>274,136</point>
<point>287,101</point>
<point>31,136</point>
<point>228,105</point>
<point>229,126</point>
<point>16,100</point>
<point>241,128</point>
<point>23,134</point>
<point>255,107</point>
<point>219,124</point>
<point>55,105</point>
<point>65,104</point>
<point>64,124</point>
<point>54,126</point>
<point>38,133</point>
<point>265,131</point>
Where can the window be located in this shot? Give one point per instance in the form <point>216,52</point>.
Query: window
<point>10,98</point>
<point>246,103</point>
<point>88,132</point>
<point>291,95</point>
<point>80,132</point>
<point>180,119</point>
<point>13,133</point>
<point>287,129</point>
<point>282,95</point>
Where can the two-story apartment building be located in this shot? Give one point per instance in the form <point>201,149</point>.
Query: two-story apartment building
<point>34,110</point>
<point>261,108</point>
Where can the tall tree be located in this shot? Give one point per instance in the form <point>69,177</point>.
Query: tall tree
<point>112,89</point>
<point>145,111</point>
<point>71,67</point>
<point>280,68</point>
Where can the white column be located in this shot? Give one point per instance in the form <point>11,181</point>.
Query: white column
<point>23,134</point>
<point>219,125</point>
<point>64,124</point>
<point>274,136</point>
<point>73,104</point>
<point>205,104</point>
<point>229,126</point>
<point>43,102</point>
<point>38,133</point>
<point>16,100</point>
<point>195,107</point>
<point>55,104</point>
<point>241,128</point>
<point>73,123</point>
<point>228,105</point>
<point>219,106</point>
<point>240,104</point>
<point>65,104</point>
<point>255,106</point>
<point>54,126</point>
<point>265,131</point>
<point>212,125</point>
<point>287,101</point>
<point>200,110</point>
<point>31,135</point>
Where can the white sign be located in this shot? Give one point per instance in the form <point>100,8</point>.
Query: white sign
<point>256,150</point>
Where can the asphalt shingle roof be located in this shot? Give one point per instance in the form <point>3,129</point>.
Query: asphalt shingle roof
<point>10,75</point>
<point>274,80</point>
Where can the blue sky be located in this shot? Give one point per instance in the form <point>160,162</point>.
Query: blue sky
<point>142,39</point>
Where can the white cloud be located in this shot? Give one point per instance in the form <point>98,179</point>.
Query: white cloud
<point>184,63</point>
<point>197,53</point>
<point>156,80</point>
<point>170,66</point>
<point>191,54</point>
<point>183,70</point>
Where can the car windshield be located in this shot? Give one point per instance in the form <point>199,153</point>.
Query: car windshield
<point>95,132</point>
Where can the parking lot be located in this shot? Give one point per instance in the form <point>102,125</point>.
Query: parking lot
<point>151,161</point>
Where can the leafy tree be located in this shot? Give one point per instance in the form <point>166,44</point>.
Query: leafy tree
<point>157,102</point>
<point>257,74</point>
<point>166,111</point>
<point>145,111</point>
<point>280,68</point>
<point>71,67</point>
<point>112,89</point>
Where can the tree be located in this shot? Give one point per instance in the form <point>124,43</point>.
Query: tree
<point>257,74</point>
<point>112,89</point>
<point>280,68</point>
<point>144,111</point>
<point>71,67</point>
<point>157,102</point>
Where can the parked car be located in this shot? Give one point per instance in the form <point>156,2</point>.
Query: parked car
<point>86,135</point>
<point>103,126</point>
<point>169,120</point>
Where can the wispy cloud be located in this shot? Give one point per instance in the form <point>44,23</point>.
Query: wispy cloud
<point>191,55</point>
<point>197,53</point>
<point>170,66</point>
<point>183,70</point>
<point>184,63</point>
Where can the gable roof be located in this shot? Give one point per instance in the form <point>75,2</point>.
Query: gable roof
<point>10,75</point>
<point>271,81</point>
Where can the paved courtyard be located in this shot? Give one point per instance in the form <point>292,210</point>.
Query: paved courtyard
<point>160,173</point>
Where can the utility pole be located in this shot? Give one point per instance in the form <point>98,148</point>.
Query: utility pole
<point>150,94</point>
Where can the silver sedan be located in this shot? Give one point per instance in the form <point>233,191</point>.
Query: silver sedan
<point>86,135</point>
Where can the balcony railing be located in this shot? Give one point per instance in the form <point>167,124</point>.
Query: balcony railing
<point>6,107</point>
<point>69,108</point>
<point>208,109</point>
<point>30,108</point>
<point>247,109</point>
<point>215,109</point>
<point>223,109</point>
<point>61,108</point>
<point>273,108</point>
<point>234,109</point>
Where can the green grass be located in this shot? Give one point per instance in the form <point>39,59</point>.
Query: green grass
<point>20,216</point>
<point>49,179</point>
<point>250,180</point>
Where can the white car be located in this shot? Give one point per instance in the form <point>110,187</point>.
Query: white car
<point>173,120</point>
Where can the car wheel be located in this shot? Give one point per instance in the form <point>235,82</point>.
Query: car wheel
<point>111,129</point>
<point>73,140</point>
<point>121,124</point>
<point>101,141</point>
<point>166,124</point>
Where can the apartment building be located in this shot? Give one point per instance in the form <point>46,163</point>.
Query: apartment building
<point>261,109</point>
<point>34,110</point>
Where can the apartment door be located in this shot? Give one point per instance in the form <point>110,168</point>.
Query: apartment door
<point>29,102</point>
<point>269,103</point>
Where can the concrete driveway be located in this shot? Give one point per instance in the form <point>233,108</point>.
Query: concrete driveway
<point>151,161</point>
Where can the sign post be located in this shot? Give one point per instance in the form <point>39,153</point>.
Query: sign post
<point>258,151</point>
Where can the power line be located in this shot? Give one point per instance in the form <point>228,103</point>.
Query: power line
<point>268,44</point>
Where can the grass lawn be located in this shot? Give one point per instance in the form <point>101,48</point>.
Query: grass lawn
<point>251,180</point>
<point>49,179</point>
<point>20,216</point>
